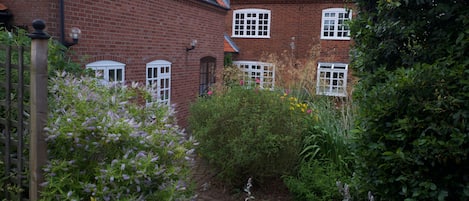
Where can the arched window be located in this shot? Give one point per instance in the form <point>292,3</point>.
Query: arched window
<point>159,78</point>
<point>251,23</point>
<point>207,74</point>
<point>109,71</point>
<point>334,24</point>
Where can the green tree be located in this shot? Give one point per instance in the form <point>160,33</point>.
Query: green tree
<point>412,58</point>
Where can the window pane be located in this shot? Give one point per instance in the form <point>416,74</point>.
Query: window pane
<point>119,75</point>
<point>112,75</point>
<point>99,73</point>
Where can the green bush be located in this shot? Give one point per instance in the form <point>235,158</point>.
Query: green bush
<point>104,145</point>
<point>248,133</point>
<point>316,181</point>
<point>413,95</point>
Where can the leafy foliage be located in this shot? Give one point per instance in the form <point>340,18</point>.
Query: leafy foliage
<point>413,92</point>
<point>104,145</point>
<point>315,181</point>
<point>248,133</point>
<point>326,156</point>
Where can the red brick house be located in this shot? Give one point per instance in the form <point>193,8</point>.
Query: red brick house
<point>309,35</point>
<point>176,45</point>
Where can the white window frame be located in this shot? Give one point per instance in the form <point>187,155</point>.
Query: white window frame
<point>252,70</point>
<point>334,22</point>
<point>162,80</point>
<point>332,79</point>
<point>255,18</point>
<point>106,67</point>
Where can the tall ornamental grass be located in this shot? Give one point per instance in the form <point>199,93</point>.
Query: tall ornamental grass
<point>326,158</point>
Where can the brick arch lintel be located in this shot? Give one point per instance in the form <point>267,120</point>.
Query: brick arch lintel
<point>106,57</point>
<point>153,58</point>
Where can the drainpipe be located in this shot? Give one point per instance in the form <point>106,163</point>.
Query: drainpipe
<point>62,23</point>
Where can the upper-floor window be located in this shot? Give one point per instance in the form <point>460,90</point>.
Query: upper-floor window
<point>257,73</point>
<point>251,23</point>
<point>159,80</point>
<point>334,24</point>
<point>332,79</point>
<point>108,71</point>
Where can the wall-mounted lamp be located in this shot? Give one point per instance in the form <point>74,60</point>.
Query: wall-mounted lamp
<point>193,43</point>
<point>74,34</point>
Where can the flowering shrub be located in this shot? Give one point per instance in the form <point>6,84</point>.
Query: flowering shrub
<point>247,133</point>
<point>103,145</point>
<point>295,104</point>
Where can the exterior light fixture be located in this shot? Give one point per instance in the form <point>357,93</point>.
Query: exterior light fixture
<point>74,34</point>
<point>193,43</point>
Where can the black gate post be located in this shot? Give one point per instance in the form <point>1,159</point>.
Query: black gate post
<point>38,149</point>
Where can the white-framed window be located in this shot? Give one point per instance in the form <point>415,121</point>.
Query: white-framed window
<point>332,79</point>
<point>108,71</point>
<point>159,79</point>
<point>334,24</point>
<point>257,73</point>
<point>251,23</point>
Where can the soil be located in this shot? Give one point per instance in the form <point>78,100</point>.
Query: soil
<point>209,188</point>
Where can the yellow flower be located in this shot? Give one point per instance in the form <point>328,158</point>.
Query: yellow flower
<point>292,108</point>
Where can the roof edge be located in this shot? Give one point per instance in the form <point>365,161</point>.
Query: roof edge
<point>224,4</point>
<point>231,43</point>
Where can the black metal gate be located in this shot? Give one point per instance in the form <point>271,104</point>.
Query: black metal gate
<point>14,129</point>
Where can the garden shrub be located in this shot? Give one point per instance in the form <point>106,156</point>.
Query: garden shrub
<point>104,145</point>
<point>315,180</point>
<point>248,133</point>
<point>413,95</point>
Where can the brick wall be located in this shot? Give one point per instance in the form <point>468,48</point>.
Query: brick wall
<point>295,22</point>
<point>25,11</point>
<point>140,31</point>
<point>291,22</point>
